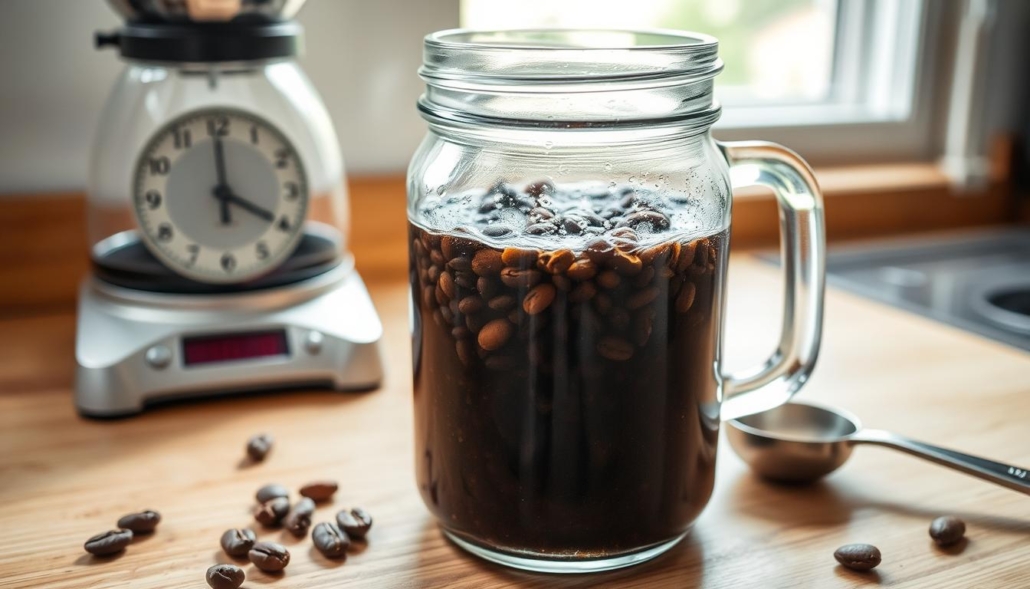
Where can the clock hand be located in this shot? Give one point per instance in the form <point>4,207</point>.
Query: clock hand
<point>222,186</point>
<point>246,205</point>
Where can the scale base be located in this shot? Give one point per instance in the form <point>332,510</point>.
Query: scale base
<point>130,349</point>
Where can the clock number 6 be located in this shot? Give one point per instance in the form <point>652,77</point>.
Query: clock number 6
<point>228,262</point>
<point>164,232</point>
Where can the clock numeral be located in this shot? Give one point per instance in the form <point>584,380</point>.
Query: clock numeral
<point>228,262</point>
<point>284,224</point>
<point>292,190</point>
<point>262,250</point>
<point>164,232</point>
<point>153,199</point>
<point>159,166</point>
<point>182,138</point>
<point>218,126</point>
<point>254,134</point>
<point>282,157</point>
<point>194,251</point>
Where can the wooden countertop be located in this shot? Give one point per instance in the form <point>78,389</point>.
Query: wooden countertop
<point>63,478</point>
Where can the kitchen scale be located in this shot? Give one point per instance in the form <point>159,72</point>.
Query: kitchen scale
<point>217,217</point>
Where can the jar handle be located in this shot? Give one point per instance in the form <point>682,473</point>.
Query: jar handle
<point>803,247</point>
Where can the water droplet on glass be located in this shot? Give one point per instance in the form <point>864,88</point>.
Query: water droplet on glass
<point>548,144</point>
<point>441,189</point>
<point>608,167</point>
<point>632,179</point>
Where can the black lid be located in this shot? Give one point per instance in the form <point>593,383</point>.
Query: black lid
<point>205,42</point>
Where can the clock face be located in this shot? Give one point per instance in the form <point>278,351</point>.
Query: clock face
<point>220,195</point>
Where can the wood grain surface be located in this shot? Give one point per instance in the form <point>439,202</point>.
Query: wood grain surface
<point>63,479</point>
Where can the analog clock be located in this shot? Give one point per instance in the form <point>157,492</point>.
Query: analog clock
<point>220,195</point>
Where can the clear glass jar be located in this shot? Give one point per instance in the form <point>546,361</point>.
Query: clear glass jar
<point>569,219</point>
<point>146,99</point>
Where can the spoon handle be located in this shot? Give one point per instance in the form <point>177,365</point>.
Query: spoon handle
<point>1006,475</point>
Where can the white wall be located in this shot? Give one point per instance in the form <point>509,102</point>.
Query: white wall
<point>361,55</point>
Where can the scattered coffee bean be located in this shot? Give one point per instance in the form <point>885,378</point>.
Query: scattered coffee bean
<point>237,542</point>
<point>858,557</point>
<point>330,540</point>
<point>270,557</point>
<point>110,542</point>
<point>947,530</point>
<point>271,491</point>
<point>271,512</point>
<point>355,522</point>
<point>319,490</point>
<point>143,522</point>
<point>225,576</point>
<point>298,520</point>
<point>259,446</point>
<point>685,300</point>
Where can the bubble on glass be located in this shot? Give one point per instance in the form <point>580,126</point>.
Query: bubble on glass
<point>608,167</point>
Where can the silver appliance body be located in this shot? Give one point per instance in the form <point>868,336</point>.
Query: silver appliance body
<point>131,345</point>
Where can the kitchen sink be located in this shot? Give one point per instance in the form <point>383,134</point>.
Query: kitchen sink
<point>978,281</point>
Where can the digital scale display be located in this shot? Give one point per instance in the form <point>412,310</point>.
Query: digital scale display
<point>209,349</point>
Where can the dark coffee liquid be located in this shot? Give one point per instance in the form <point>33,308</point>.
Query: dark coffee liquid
<point>565,399</point>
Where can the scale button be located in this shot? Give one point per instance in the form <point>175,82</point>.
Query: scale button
<point>313,342</point>
<point>159,357</point>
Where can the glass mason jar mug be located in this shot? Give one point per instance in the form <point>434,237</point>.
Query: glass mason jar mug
<point>569,220</point>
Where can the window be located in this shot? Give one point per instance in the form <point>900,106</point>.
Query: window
<point>800,72</point>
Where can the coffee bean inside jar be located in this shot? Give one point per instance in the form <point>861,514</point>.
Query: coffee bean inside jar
<point>564,374</point>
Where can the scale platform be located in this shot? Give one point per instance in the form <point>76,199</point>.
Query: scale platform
<point>135,347</point>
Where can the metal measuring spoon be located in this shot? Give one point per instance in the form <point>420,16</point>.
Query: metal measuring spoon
<point>800,442</point>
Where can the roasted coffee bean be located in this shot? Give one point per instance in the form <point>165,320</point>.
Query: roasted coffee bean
<point>495,334</point>
<point>143,522</point>
<point>259,446</point>
<point>475,323</point>
<point>614,348</point>
<point>519,258</point>
<point>330,540</point>
<point>109,542</point>
<point>356,522</point>
<point>454,247</point>
<point>271,512</point>
<point>298,520</point>
<point>441,296</point>
<point>470,304</point>
<point>433,274</point>
<point>320,490</point>
<point>582,293</point>
<point>947,530</point>
<point>573,226</point>
<point>602,303</point>
<point>237,542</point>
<point>560,282</point>
<point>225,576</point>
<point>501,303</point>
<point>447,284</point>
<point>624,263</point>
<point>428,296</point>
<point>436,257</point>
<point>538,299</point>
<point>497,231</point>
<point>460,264</point>
<point>599,250</point>
<point>685,300</point>
<point>271,491</point>
<point>487,288</point>
<point>649,221</point>
<point>540,214</point>
<point>642,297</point>
<point>515,278</point>
<point>540,188</point>
<point>624,233</point>
<point>608,279</point>
<point>858,557</point>
<point>581,270</point>
<point>460,332</point>
<point>556,262</point>
<point>464,279</point>
<point>270,557</point>
<point>645,277</point>
<point>487,263</point>
<point>545,228</point>
<point>686,256</point>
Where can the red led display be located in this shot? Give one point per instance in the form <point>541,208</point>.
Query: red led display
<point>237,346</point>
